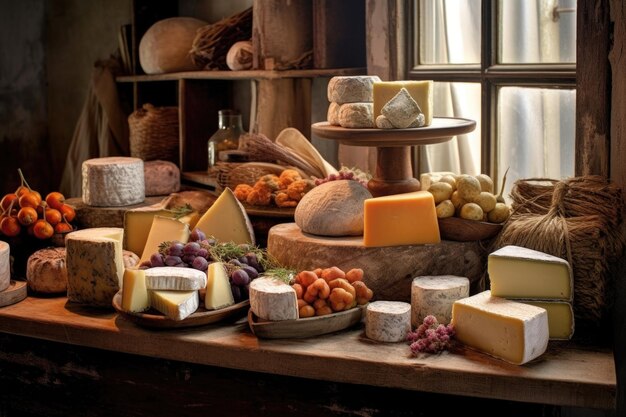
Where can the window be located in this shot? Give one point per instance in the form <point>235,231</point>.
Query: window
<point>509,65</point>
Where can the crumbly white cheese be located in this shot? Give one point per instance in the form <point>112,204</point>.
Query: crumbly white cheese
<point>113,181</point>
<point>401,110</point>
<point>46,271</point>
<point>434,295</point>
<point>175,278</point>
<point>356,115</point>
<point>5,266</point>
<point>383,123</point>
<point>351,89</point>
<point>271,299</point>
<point>333,113</point>
<point>388,321</point>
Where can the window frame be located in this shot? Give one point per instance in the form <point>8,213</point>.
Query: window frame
<point>488,73</point>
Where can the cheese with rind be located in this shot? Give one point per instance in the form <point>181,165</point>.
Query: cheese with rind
<point>161,177</point>
<point>388,321</point>
<point>333,114</point>
<point>272,299</point>
<point>356,115</point>
<point>420,91</point>
<point>517,272</point>
<point>218,293</point>
<point>135,294</point>
<point>560,318</point>
<point>434,295</point>
<point>176,305</point>
<point>401,110</point>
<point>506,329</point>
<point>175,278</point>
<point>5,266</point>
<point>95,267</point>
<point>46,271</point>
<point>227,221</point>
<point>351,89</point>
<point>113,181</point>
<point>164,229</point>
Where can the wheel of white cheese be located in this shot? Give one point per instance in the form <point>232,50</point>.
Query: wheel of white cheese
<point>161,178</point>
<point>356,115</point>
<point>5,266</point>
<point>434,295</point>
<point>388,321</point>
<point>333,113</point>
<point>352,89</point>
<point>271,299</point>
<point>113,181</point>
<point>46,271</point>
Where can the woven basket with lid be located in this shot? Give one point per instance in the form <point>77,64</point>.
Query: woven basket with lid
<point>154,133</point>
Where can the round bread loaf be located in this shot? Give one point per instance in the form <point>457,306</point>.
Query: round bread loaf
<point>46,271</point>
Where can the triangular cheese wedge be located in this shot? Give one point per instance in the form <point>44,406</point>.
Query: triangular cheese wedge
<point>227,221</point>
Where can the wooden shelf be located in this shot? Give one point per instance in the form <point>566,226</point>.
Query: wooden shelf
<point>242,75</point>
<point>567,374</point>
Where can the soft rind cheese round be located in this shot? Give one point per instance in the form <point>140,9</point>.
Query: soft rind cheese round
<point>356,115</point>
<point>113,181</point>
<point>175,278</point>
<point>352,89</point>
<point>388,321</point>
<point>271,299</point>
<point>46,271</point>
<point>95,266</point>
<point>5,266</point>
<point>333,113</point>
<point>161,177</point>
<point>435,295</point>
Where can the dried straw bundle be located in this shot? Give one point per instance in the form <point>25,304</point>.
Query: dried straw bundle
<point>212,42</point>
<point>576,220</point>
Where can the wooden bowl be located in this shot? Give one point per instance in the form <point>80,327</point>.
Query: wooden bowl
<point>463,230</point>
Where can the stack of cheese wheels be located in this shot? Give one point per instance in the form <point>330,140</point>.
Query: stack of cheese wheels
<point>351,101</point>
<point>5,268</point>
<point>113,181</point>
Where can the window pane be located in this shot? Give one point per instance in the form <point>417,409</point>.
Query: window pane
<point>537,31</point>
<point>449,32</point>
<point>461,154</point>
<point>536,133</point>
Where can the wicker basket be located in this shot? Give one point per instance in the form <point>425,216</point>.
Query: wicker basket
<point>154,133</point>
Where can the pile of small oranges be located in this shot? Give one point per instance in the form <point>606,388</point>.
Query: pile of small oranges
<point>24,209</point>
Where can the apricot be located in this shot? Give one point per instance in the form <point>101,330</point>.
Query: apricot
<point>10,226</point>
<point>55,200</point>
<point>27,216</point>
<point>42,229</point>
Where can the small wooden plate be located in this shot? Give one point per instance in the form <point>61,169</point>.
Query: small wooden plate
<point>463,230</point>
<point>270,211</point>
<point>301,328</point>
<point>155,319</point>
<point>14,293</point>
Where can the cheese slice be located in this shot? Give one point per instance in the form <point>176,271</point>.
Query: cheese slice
<point>517,272</point>
<point>95,266</point>
<point>135,294</point>
<point>506,329</point>
<point>272,299</point>
<point>420,91</point>
<point>5,268</point>
<point>388,321</point>
<point>175,278</point>
<point>164,229</point>
<point>400,219</point>
<point>560,318</point>
<point>113,181</point>
<point>177,305</point>
<point>434,295</point>
<point>227,221</point>
<point>218,294</point>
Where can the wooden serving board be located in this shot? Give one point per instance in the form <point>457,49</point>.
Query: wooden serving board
<point>15,292</point>
<point>389,270</point>
<point>154,319</point>
<point>302,328</point>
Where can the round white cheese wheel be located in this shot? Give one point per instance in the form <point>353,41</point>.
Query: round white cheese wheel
<point>333,113</point>
<point>352,89</point>
<point>113,181</point>
<point>46,271</point>
<point>434,295</point>
<point>5,266</point>
<point>356,115</point>
<point>271,299</point>
<point>388,321</point>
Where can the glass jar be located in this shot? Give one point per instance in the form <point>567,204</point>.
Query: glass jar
<point>226,138</point>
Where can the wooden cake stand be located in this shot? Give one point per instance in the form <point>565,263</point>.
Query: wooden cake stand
<point>394,174</point>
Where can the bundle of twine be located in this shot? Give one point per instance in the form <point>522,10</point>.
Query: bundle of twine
<point>578,220</point>
<point>212,42</point>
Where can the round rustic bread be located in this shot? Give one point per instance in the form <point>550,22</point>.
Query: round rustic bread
<point>165,46</point>
<point>334,208</point>
<point>46,271</point>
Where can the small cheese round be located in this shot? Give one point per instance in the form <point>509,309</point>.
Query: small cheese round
<point>434,295</point>
<point>352,89</point>
<point>46,271</point>
<point>113,181</point>
<point>5,266</point>
<point>271,299</point>
<point>388,321</point>
<point>356,115</point>
<point>333,114</point>
<point>161,177</point>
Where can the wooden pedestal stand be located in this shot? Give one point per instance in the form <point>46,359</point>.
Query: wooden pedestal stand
<point>393,166</point>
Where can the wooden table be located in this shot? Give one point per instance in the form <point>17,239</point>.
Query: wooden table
<point>567,374</point>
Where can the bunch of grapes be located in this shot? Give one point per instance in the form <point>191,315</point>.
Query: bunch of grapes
<point>430,336</point>
<point>241,261</point>
<point>345,174</point>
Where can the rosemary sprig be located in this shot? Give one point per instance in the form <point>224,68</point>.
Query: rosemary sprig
<point>283,274</point>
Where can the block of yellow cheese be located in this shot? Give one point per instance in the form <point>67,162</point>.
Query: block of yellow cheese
<point>517,272</point>
<point>227,221</point>
<point>560,318</point>
<point>400,219</point>
<point>164,229</point>
<point>135,294</point>
<point>506,329</point>
<point>420,91</point>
